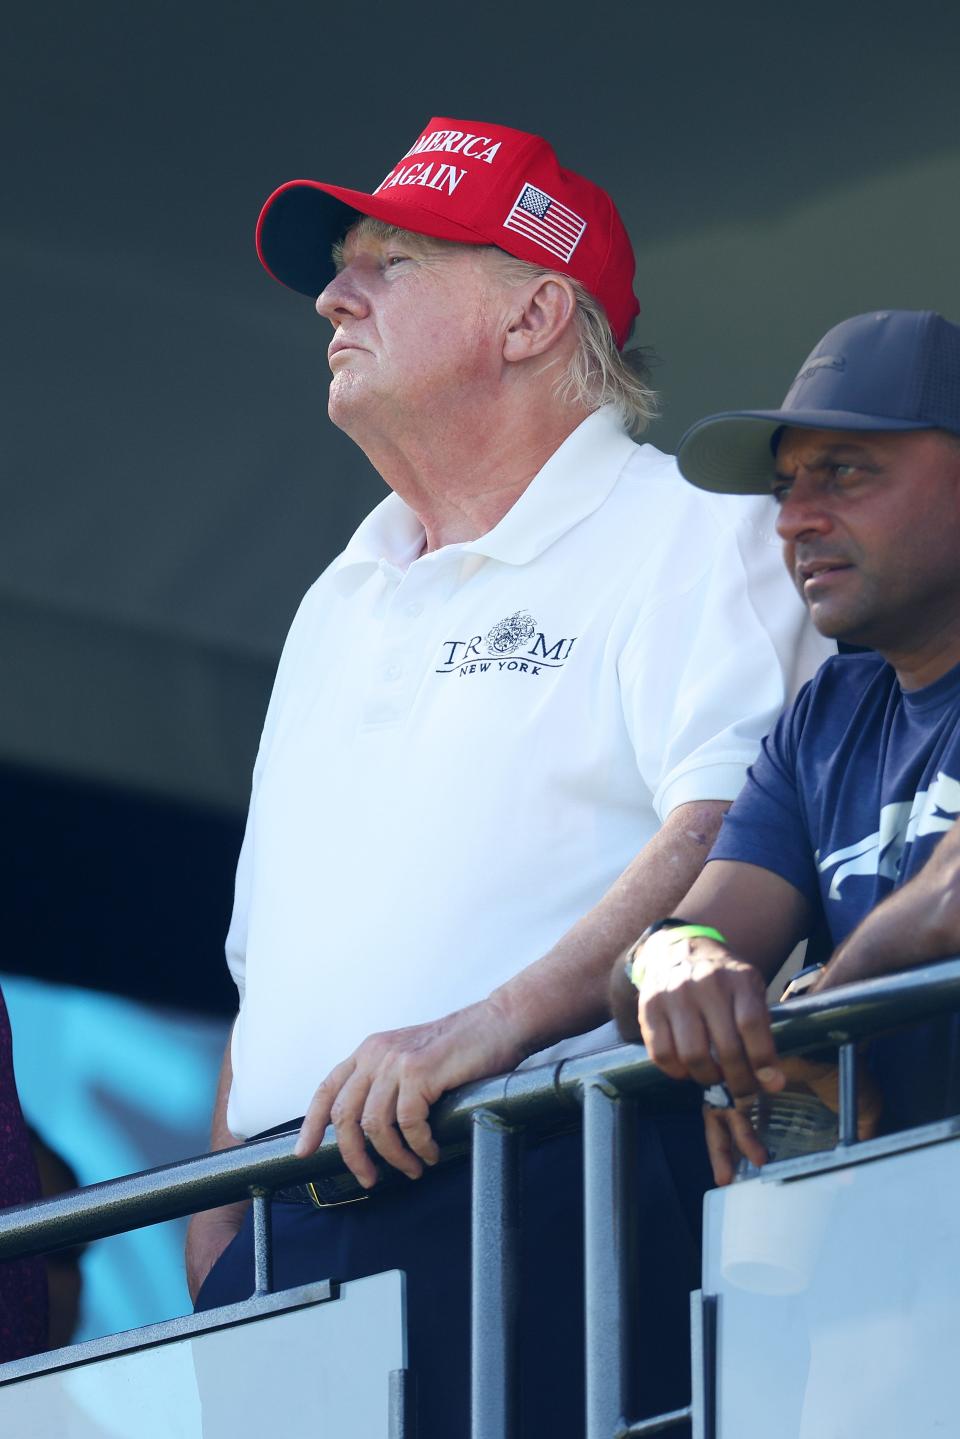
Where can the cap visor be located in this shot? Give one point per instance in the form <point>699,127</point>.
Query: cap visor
<point>300,223</point>
<point>731,453</point>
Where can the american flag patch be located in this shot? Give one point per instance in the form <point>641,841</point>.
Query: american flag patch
<point>545,221</point>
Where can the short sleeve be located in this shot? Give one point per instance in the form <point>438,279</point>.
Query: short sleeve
<point>765,825</point>
<point>712,663</point>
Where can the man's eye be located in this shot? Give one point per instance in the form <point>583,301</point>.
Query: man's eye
<point>392,260</point>
<point>780,492</point>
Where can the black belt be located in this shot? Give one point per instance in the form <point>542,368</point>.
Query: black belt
<point>319,1194</point>
<point>326,1192</point>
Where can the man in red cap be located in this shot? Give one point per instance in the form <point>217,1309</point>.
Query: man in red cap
<point>537,657</point>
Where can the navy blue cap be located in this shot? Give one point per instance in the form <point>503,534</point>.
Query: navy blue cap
<point>889,370</point>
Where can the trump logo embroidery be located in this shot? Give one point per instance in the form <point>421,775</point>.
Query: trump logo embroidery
<point>513,645</point>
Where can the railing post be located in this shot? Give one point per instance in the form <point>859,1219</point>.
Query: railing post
<point>494,1289</point>
<point>402,1399</point>
<point>609,1147</point>
<point>847,1131</point>
<point>262,1244</point>
<point>703,1364</point>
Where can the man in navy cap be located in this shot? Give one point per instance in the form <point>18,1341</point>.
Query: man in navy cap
<point>850,814</point>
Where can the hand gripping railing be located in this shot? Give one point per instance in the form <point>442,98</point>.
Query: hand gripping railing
<point>491,1114</point>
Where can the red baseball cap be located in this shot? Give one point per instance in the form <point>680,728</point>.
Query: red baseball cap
<point>470,181</point>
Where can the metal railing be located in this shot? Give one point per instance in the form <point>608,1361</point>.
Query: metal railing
<point>490,1116</point>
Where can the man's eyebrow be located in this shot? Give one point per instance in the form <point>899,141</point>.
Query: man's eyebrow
<point>419,247</point>
<point>843,451</point>
<point>844,447</point>
<point>848,450</point>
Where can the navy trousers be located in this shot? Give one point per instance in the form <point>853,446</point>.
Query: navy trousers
<point>423,1228</point>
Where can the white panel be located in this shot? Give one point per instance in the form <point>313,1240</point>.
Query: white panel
<point>322,1369</point>
<point>838,1307</point>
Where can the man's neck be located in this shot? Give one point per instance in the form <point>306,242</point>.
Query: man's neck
<point>916,672</point>
<point>460,478</point>
<point>926,662</point>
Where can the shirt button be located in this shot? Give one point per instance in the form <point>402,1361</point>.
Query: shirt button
<point>415,609</point>
<point>392,672</point>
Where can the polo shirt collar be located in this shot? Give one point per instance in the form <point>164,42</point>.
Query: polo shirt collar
<point>574,482</point>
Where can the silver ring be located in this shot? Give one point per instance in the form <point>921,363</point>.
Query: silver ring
<point>718,1096</point>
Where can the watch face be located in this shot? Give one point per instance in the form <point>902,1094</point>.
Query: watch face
<point>802,981</point>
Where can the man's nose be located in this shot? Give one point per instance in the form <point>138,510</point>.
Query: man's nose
<point>343,297</point>
<point>801,512</point>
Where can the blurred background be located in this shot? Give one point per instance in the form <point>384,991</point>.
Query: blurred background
<point>170,485</point>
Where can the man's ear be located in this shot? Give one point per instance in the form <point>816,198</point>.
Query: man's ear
<point>546,312</point>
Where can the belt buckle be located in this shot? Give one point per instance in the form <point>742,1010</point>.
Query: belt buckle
<point>319,1203</point>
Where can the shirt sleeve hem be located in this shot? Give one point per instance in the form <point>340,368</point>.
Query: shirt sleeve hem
<point>718,779</point>
<point>765,856</point>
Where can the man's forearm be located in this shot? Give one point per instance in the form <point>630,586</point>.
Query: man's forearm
<point>381,1094</point>
<point>917,924</point>
<point>567,991</point>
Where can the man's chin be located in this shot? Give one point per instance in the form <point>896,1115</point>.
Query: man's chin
<point>361,414</point>
<point>346,401</point>
<point>834,624</point>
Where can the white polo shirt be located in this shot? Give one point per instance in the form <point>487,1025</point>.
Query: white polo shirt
<point>465,748</point>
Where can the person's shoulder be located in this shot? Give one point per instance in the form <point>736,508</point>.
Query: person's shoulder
<point>650,472</point>
<point>390,532</point>
<point>333,584</point>
<point>669,518</point>
<point>650,482</point>
<point>647,465</point>
<point>834,699</point>
<point>317,593</point>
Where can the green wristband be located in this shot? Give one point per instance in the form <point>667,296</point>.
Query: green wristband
<point>635,965</point>
<point>695,931</point>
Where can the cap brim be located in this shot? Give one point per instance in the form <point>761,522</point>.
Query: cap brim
<point>731,453</point>
<point>303,219</point>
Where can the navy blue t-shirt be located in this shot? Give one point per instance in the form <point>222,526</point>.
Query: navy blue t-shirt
<point>847,799</point>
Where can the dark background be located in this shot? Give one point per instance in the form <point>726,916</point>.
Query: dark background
<point>170,484</point>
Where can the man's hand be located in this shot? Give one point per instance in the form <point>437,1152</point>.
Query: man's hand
<point>384,1090</point>
<point>730,1134</point>
<point>208,1235</point>
<point>703,1016</point>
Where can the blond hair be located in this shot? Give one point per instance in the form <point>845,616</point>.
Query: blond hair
<point>598,373</point>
